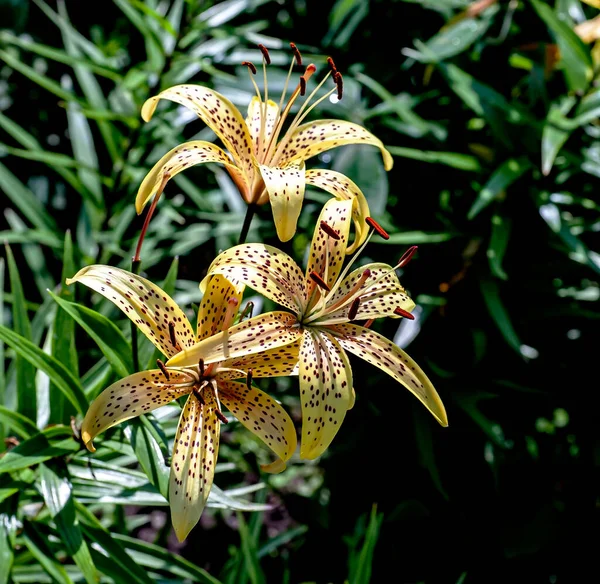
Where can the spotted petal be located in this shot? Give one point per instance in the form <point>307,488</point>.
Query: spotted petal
<point>341,187</point>
<point>272,363</point>
<point>218,113</point>
<point>315,137</point>
<point>265,269</point>
<point>286,193</point>
<point>195,453</point>
<point>182,157</point>
<point>149,307</point>
<point>132,396</point>
<point>380,295</point>
<point>215,302</point>
<point>326,252</point>
<point>255,335</point>
<point>262,415</point>
<point>325,390</point>
<point>378,351</point>
<point>256,112</point>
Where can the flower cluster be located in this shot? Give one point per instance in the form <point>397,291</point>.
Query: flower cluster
<point>216,364</point>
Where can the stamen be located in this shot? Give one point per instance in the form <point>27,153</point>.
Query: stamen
<point>164,370</point>
<point>250,66</point>
<point>265,54</point>
<point>401,312</point>
<point>348,296</point>
<point>297,54</point>
<point>339,82</point>
<point>302,86</point>
<point>369,323</point>
<point>354,308</point>
<point>249,379</point>
<point>197,393</point>
<point>230,313</point>
<point>330,230</point>
<point>378,228</point>
<point>173,336</point>
<point>221,416</point>
<point>331,64</point>
<point>320,282</point>
<point>407,256</point>
<point>201,367</point>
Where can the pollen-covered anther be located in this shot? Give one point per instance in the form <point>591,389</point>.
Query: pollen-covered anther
<point>368,323</point>
<point>250,66</point>
<point>319,281</point>
<point>302,86</point>
<point>265,54</point>
<point>377,228</point>
<point>401,312</point>
<point>221,416</point>
<point>339,82</point>
<point>353,311</point>
<point>164,370</point>
<point>201,367</point>
<point>199,395</point>
<point>249,379</point>
<point>407,256</point>
<point>331,65</point>
<point>330,230</point>
<point>173,336</point>
<point>297,54</point>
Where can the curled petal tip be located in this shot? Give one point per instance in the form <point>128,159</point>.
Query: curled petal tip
<point>69,281</point>
<point>274,467</point>
<point>87,440</point>
<point>148,108</point>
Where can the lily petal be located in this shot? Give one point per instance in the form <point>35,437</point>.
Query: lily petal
<point>326,251</point>
<point>286,193</point>
<point>341,187</point>
<point>380,295</point>
<point>182,157</point>
<point>218,113</point>
<point>149,307</point>
<point>325,391</point>
<point>215,302</point>
<point>256,109</point>
<point>132,396</point>
<point>377,350</point>
<point>262,415</point>
<point>265,269</point>
<point>272,363</point>
<point>315,137</point>
<point>255,335</point>
<point>195,453</point>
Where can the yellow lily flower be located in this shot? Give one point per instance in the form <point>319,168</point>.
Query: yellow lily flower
<point>208,383</point>
<point>265,163</point>
<point>325,300</point>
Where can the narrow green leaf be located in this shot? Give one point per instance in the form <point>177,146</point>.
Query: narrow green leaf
<point>3,425</point>
<point>125,568</point>
<point>49,443</point>
<point>493,302</point>
<point>105,333</point>
<point>504,176</point>
<point>58,497</point>
<point>8,528</point>
<point>58,373</point>
<point>26,392</point>
<point>363,564</point>
<point>414,238</point>
<point>574,54</point>
<point>554,135</point>
<point>249,552</point>
<point>453,159</point>
<point>498,243</point>
<point>37,544</point>
<point>17,423</point>
<point>24,200</point>
<point>32,236</point>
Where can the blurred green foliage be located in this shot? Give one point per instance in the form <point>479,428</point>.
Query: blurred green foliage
<point>491,111</point>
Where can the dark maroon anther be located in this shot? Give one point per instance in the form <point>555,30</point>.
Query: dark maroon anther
<point>354,308</point>
<point>297,54</point>
<point>401,312</point>
<point>221,416</point>
<point>172,336</point>
<point>265,54</point>
<point>339,81</point>
<point>249,379</point>
<point>320,282</point>
<point>201,367</point>
<point>164,370</point>
<point>378,228</point>
<point>408,254</point>
<point>302,86</point>
<point>199,396</point>
<point>331,64</point>
<point>330,230</point>
<point>250,66</point>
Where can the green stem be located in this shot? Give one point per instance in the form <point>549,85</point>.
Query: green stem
<point>252,207</point>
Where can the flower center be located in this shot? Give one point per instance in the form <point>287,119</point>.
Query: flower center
<point>268,150</point>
